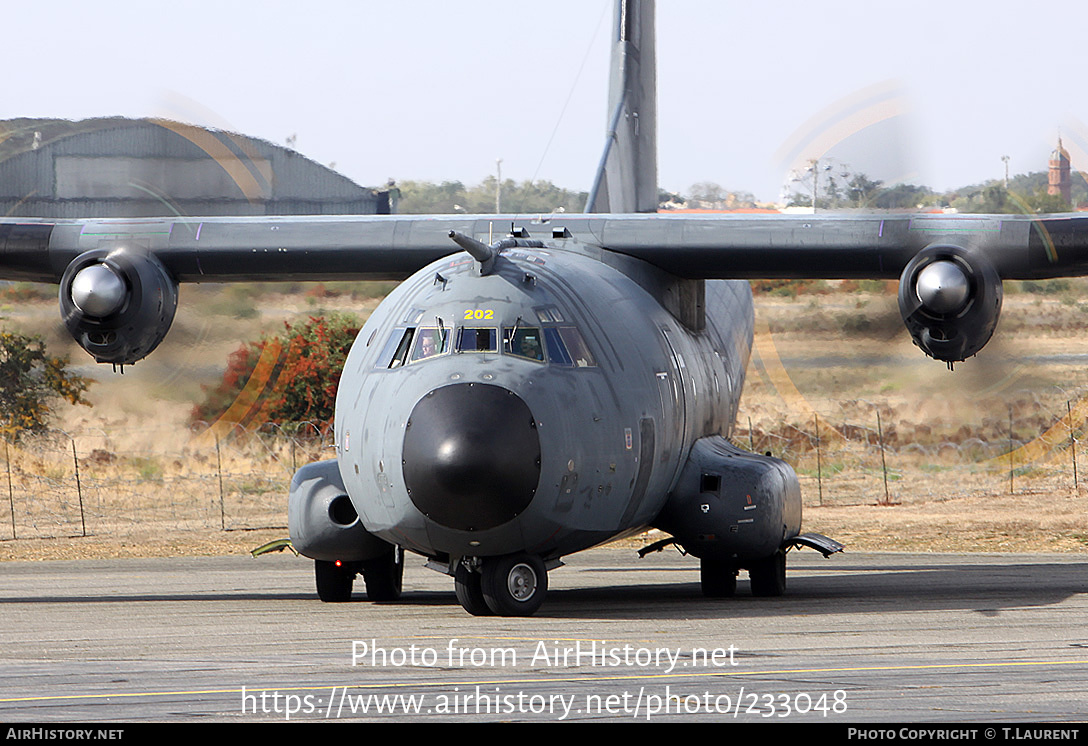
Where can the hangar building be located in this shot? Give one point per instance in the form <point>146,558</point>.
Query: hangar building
<point>155,167</point>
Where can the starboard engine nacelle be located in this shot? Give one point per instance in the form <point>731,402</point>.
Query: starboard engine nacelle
<point>730,504</point>
<point>118,303</point>
<point>950,301</point>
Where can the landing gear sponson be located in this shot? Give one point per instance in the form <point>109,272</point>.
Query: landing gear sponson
<point>767,575</point>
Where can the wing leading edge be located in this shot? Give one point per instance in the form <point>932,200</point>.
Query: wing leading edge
<point>688,246</point>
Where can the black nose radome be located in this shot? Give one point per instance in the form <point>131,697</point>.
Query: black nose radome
<point>471,456</point>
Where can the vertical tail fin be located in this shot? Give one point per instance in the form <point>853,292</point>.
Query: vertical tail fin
<point>626,179</point>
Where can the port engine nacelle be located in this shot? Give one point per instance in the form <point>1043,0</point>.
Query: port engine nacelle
<point>323,523</point>
<point>950,300</point>
<point>118,304</point>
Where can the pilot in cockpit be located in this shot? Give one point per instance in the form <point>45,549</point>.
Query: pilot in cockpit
<point>427,345</point>
<point>530,348</point>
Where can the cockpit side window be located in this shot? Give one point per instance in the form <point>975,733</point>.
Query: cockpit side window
<point>429,342</point>
<point>471,339</point>
<point>576,346</point>
<point>523,341</point>
<point>400,357</point>
<point>392,344</point>
<point>557,351</point>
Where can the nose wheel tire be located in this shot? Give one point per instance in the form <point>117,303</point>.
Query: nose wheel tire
<point>514,585</point>
<point>768,576</point>
<point>384,575</point>
<point>334,581</point>
<point>467,584</point>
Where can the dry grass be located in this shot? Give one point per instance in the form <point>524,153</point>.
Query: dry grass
<point>947,433</point>
<point>834,357</point>
<point>199,543</point>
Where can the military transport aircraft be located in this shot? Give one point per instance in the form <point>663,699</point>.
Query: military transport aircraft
<point>538,386</point>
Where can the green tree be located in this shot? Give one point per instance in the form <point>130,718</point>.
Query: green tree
<point>718,196</point>
<point>529,197</point>
<point>1042,202</point>
<point>819,183</point>
<point>990,199</point>
<point>667,197</point>
<point>904,196</point>
<point>862,191</point>
<point>707,191</point>
<point>425,198</point>
<point>31,382</point>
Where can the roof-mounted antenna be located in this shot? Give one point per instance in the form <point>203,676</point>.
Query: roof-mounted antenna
<point>480,251</point>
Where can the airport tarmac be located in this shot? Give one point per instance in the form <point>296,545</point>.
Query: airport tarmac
<point>857,638</point>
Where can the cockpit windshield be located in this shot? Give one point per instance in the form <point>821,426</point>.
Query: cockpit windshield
<point>556,345</point>
<point>430,341</point>
<point>523,341</point>
<point>477,340</point>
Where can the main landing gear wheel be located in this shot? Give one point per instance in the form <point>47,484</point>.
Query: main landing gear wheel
<point>718,578</point>
<point>768,576</point>
<point>384,575</point>
<point>334,581</point>
<point>470,594</point>
<point>514,585</point>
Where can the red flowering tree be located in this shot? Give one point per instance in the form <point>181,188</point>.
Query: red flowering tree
<point>287,378</point>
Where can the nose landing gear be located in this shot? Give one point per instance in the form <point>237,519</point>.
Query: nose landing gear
<point>511,585</point>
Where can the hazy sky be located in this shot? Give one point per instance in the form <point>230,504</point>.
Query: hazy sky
<point>939,91</point>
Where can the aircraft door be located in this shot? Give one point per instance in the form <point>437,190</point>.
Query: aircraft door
<point>645,468</point>
<point>672,390</point>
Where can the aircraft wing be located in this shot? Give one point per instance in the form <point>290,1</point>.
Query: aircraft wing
<point>689,246</point>
<point>319,248</point>
<point>119,277</point>
<point>846,246</point>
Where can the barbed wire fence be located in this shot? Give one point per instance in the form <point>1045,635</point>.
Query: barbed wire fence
<point>106,483</point>
<point>861,453</point>
<point>114,482</point>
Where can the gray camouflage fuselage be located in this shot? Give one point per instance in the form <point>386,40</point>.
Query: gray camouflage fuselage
<point>612,436</point>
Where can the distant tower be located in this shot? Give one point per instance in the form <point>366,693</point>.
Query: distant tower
<point>1060,181</point>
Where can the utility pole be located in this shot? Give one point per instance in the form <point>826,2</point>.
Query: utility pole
<point>498,186</point>
<point>815,186</point>
<point>815,168</point>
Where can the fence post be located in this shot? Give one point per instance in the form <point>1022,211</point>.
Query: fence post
<point>1072,445</point>
<point>819,465</point>
<point>883,462</point>
<point>79,489</point>
<point>11,493</point>
<point>219,472</point>
<point>1011,469</point>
